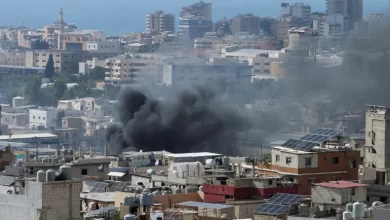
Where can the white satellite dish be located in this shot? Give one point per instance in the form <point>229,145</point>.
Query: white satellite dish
<point>157,162</point>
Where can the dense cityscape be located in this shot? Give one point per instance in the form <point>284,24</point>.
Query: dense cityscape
<point>248,117</point>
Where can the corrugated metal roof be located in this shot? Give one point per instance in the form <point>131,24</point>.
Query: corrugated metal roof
<point>204,205</point>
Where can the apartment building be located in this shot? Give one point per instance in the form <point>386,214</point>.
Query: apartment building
<point>77,40</point>
<point>309,162</point>
<point>353,9</point>
<point>299,11</point>
<point>195,20</point>
<point>64,61</point>
<point>46,117</point>
<point>104,46</point>
<point>246,23</point>
<point>159,22</point>
<point>14,118</point>
<point>200,8</point>
<point>377,146</point>
<point>87,66</point>
<point>124,68</point>
<point>12,58</point>
<point>282,25</point>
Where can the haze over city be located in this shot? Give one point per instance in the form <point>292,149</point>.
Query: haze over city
<point>194,109</point>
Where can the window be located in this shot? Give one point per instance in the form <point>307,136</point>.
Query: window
<point>288,160</point>
<point>44,118</point>
<point>33,117</point>
<point>307,161</point>
<point>39,117</point>
<point>353,191</point>
<point>352,163</point>
<point>277,158</point>
<point>270,182</point>
<point>335,160</point>
<point>84,172</point>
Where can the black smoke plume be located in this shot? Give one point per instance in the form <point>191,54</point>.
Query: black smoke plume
<point>194,120</point>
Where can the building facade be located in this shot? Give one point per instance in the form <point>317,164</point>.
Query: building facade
<point>195,20</point>
<point>104,46</point>
<point>159,22</point>
<point>42,117</point>
<point>246,23</point>
<point>124,68</point>
<point>13,58</point>
<point>306,168</point>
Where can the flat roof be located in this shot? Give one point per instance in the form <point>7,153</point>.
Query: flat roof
<point>102,197</point>
<point>198,154</point>
<point>204,205</point>
<point>253,53</point>
<point>340,184</point>
<point>22,67</point>
<point>31,135</point>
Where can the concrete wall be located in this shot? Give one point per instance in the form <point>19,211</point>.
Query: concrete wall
<point>215,213</point>
<point>145,180</point>
<point>244,209</point>
<point>92,170</point>
<point>297,160</point>
<point>336,196</point>
<point>269,217</point>
<point>22,207</point>
<point>61,200</point>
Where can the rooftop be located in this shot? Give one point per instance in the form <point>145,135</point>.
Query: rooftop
<point>33,135</point>
<point>204,205</point>
<point>91,161</point>
<point>101,197</point>
<point>253,53</point>
<point>340,184</point>
<point>199,154</point>
<point>22,67</point>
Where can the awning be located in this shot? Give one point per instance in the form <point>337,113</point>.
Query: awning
<point>117,174</point>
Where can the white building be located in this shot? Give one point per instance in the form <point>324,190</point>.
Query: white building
<point>123,68</point>
<point>86,67</point>
<point>336,194</point>
<point>82,104</point>
<point>46,117</point>
<point>104,46</point>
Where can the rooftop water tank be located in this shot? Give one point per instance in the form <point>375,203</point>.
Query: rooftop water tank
<point>303,208</point>
<point>347,215</point>
<point>50,175</point>
<point>371,212</point>
<point>377,203</point>
<point>41,176</point>
<point>200,188</point>
<point>349,207</point>
<point>146,199</point>
<point>210,162</point>
<point>358,210</point>
<point>129,217</point>
<point>67,171</point>
<point>151,172</point>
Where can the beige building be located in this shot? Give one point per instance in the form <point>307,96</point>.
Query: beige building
<point>282,25</point>
<point>78,39</point>
<point>13,58</point>
<point>123,68</point>
<point>64,61</point>
<point>158,22</point>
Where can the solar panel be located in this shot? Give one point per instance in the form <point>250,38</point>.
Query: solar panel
<point>7,180</point>
<point>327,132</point>
<point>117,186</point>
<point>287,199</point>
<point>300,144</point>
<point>99,187</point>
<point>273,209</point>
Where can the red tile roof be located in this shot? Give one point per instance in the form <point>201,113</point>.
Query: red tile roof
<point>340,184</point>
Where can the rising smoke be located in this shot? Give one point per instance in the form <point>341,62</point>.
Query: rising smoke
<point>194,120</point>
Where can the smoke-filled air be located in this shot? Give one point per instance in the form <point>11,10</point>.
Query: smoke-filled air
<point>193,120</point>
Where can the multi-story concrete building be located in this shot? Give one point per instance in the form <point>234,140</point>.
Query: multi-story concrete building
<point>377,147</point>
<point>64,61</point>
<point>189,74</point>
<point>282,25</point>
<point>82,104</point>
<point>336,194</point>
<point>14,118</point>
<point>78,40</point>
<point>353,9</point>
<point>195,20</point>
<point>299,11</point>
<point>45,117</point>
<point>43,200</point>
<point>158,22</point>
<point>13,58</point>
<point>89,65</point>
<point>124,68</point>
<point>246,23</point>
<point>104,46</point>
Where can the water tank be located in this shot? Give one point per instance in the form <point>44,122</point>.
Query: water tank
<point>146,199</point>
<point>200,188</point>
<point>176,191</point>
<point>358,210</point>
<point>157,193</point>
<point>151,172</point>
<point>41,176</point>
<point>67,171</point>
<point>303,208</point>
<point>50,175</point>
<point>347,215</point>
<point>210,162</point>
<point>371,211</point>
<point>226,162</point>
<point>349,207</point>
<point>87,217</point>
<point>366,213</point>
<point>377,203</point>
<point>129,217</point>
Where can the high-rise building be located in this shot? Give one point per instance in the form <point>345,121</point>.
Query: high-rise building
<point>300,13</point>
<point>352,8</point>
<point>195,20</point>
<point>159,22</point>
<point>246,23</point>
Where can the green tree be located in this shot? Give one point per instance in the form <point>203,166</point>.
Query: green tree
<point>49,70</point>
<point>31,91</point>
<point>97,74</point>
<point>59,89</point>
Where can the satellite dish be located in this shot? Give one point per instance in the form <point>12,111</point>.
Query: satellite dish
<point>157,162</point>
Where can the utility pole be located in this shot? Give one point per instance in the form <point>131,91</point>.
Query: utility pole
<point>36,149</point>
